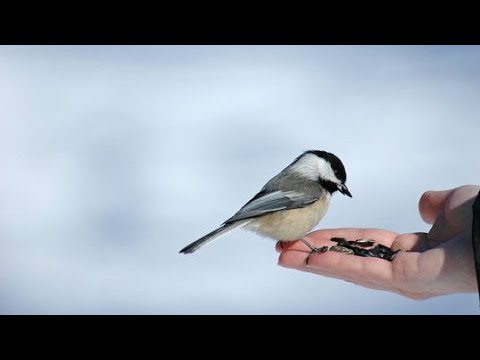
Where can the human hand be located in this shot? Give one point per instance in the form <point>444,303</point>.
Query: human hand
<point>436,263</point>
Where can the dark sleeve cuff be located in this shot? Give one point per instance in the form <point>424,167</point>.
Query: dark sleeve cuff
<point>476,238</point>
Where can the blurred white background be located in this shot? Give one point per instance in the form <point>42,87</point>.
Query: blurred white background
<point>112,158</point>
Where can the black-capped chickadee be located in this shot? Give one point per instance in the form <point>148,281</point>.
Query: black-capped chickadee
<point>291,203</point>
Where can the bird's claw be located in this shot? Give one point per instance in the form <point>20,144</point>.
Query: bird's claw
<point>316,250</point>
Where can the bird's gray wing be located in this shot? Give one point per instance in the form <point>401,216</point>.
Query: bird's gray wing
<point>264,203</point>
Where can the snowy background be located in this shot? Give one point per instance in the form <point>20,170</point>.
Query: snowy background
<point>113,158</point>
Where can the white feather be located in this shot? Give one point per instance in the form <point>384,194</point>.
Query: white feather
<point>312,167</point>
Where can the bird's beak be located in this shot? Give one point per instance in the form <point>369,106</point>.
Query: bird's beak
<point>344,190</point>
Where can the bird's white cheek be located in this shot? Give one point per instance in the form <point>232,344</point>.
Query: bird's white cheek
<point>289,225</point>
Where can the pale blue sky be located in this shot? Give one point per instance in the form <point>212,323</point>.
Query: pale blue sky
<point>112,158</point>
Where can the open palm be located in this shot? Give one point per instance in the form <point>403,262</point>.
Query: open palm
<point>436,263</point>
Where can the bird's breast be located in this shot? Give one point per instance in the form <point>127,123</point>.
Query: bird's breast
<point>289,225</point>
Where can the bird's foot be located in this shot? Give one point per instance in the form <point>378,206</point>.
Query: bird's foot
<point>313,249</point>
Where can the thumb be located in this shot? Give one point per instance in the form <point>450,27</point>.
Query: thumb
<point>432,203</point>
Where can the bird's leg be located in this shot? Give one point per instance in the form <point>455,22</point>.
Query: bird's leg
<point>313,249</point>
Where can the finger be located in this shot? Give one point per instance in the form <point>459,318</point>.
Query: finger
<point>368,272</point>
<point>279,246</point>
<point>456,214</point>
<point>441,229</point>
<point>351,267</point>
<point>431,203</point>
<point>323,237</point>
<point>411,242</point>
<point>361,282</point>
<point>458,208</point>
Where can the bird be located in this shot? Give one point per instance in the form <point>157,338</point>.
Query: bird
<point>290,204</point>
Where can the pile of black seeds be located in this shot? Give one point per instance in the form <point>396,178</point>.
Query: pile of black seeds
<point>362,247</point>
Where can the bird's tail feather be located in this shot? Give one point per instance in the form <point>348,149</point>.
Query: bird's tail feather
<point>214,235</point>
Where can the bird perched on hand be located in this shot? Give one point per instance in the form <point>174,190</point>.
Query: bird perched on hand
<point>291,204</point>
